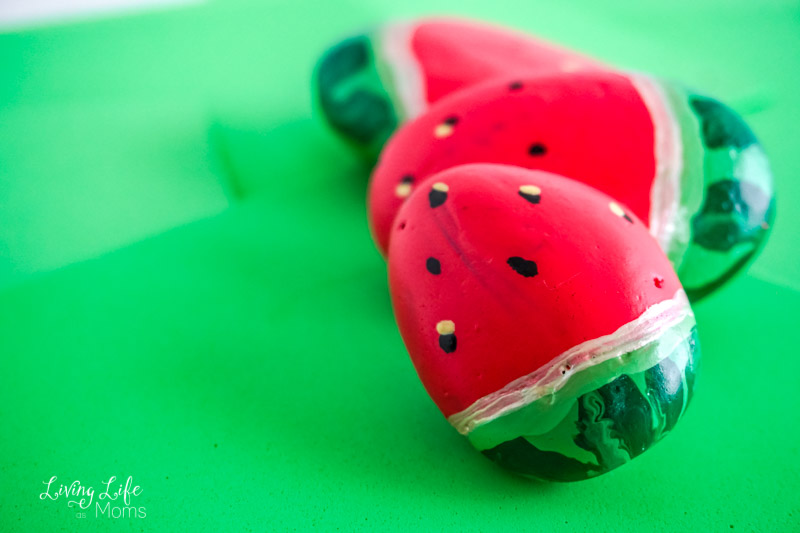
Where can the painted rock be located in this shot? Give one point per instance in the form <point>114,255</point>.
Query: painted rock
<point>542,318</point>
<point>368,84</point>
<point>684,163</point>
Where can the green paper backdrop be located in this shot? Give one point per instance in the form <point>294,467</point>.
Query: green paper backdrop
<point>189,294</point>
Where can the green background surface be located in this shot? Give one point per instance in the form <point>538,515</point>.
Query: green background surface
<point>189,294</point>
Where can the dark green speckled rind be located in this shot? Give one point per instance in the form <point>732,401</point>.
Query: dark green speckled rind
<point>737,208</point>
<point>603,428</point>
<point>352,95</point>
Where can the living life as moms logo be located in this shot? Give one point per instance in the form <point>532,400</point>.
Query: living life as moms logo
<point>114,502</point>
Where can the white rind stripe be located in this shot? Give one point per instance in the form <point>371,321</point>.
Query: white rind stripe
<point>665,224</point>
<point>407,78</point>
<point>547,380</point>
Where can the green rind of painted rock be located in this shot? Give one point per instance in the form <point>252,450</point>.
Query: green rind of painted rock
<point>626,412</point>
<point>352,95</point>
<point>737,208</point>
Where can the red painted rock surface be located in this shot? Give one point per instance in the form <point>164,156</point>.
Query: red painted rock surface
<point>452,54</point>
<point>495,270</point>
<point>592,127</point>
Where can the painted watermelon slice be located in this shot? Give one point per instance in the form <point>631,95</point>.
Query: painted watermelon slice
<point>684,163</point>
<point>542,318</point>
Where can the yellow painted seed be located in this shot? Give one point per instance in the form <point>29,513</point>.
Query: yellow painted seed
<point>445,327</point>
<point>443,130</point>
<point>402,190</point>
<point>616,209</point>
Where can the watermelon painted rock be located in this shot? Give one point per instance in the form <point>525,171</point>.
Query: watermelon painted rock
<point>684,163</point>
<point>542,318</point>
<point>369,84</point>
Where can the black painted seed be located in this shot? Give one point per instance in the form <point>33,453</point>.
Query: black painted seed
<point>523,266</point>
<point>448,342</point>
<point>532,198</point>
<point>436,198</point>
<point>433,265</point>
<point>452,120</point>
<point>628,218</point>
<point>515,86</point>
<point>537,149</point>
<point>408,178</point>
